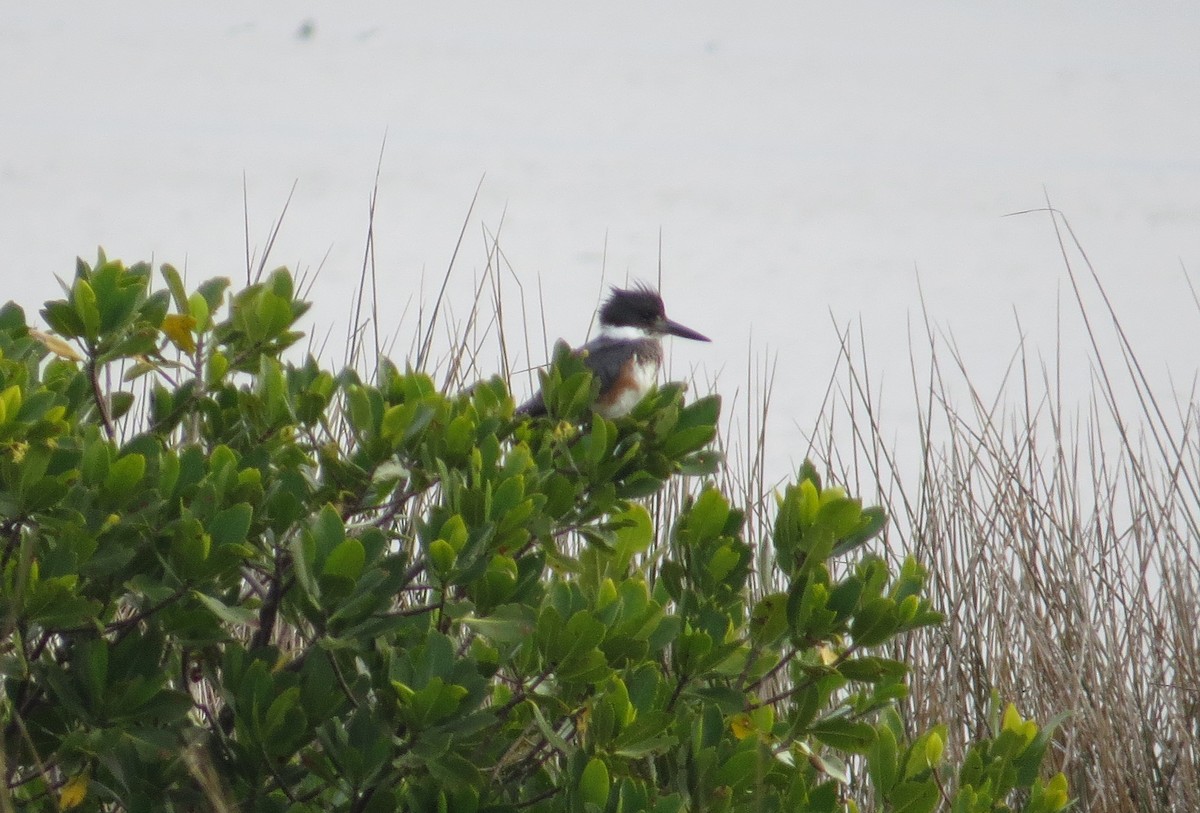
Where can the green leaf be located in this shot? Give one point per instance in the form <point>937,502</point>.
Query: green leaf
<point>548,731</point>
<point>875,623</point>
<point>507,624</point>
<point>768,619</point>
<point>304,554</point>
<point>272,315</point>
<point>83,298</point>
<point>840,515</point>
<point>647,734</point>
<point>328,531</point>
<point>708,515</point>
<point>870,523</point>
<point>882,762</point>
<point>683,441</point>
<point>702,412</point>
<point>12,317</point>
<point>346,560</point>
<point>359,408</point>
<point>137,370</point>
<point>213,291</point>
<point>459,436</point>
<point>119,403</point>
<point>844,734</point>
<point>175,286</point>
<point>871,669</point>
<point>94,657</point>
<point>594,783</point>
<point>63,319</point>
<point>915,797</point>
<point>702,463</point>
<point>934,746</point>
<point>191,546</point>
<point>230,526</point>
<point>280,706</point>
<point>405,421</point>
<point>917,762</point>
<point>724,560</point>
<point>123,477</point>
<point>633,534</point>
<point>598,440</point>
<point>197,308</point>
<point>442,556</point>
<point>454,531</point>
<point>230,615</point>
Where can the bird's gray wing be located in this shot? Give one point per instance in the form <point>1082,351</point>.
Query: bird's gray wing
<point>603,356</point>
<point>535,407</point>
<point>606,358</point>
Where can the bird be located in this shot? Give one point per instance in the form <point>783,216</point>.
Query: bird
<point>628,353</point>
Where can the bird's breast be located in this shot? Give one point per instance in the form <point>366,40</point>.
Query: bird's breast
<point>635,380</point>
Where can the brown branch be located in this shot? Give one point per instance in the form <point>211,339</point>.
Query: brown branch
<point>270,606</point>
<point>774,670</point>
<point>805,684</point>
<point>93,373</point>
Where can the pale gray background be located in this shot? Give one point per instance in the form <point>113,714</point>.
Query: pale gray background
<point>797,159</point>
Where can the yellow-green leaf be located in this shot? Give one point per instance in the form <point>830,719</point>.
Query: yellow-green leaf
<point>454,531</point>
<point>1012,719</point>
<point>1057,792</point>
<point>442,556</point>
<point>594,783</point>
<point>55,345</point>
<point>741,725</point>
<point>74,792</point>
<point>178,328</point>
<point>83,298</point>
<point>10,403</point>
<point>198,310</point>
<point>933,749</point>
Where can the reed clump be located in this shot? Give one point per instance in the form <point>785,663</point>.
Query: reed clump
<point>1063,542</point>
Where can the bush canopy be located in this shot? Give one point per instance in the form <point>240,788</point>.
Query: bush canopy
<point>235,582</point>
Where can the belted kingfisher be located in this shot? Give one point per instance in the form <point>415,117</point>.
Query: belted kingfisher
<point>627,354</point>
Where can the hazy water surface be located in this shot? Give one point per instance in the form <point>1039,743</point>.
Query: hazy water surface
<point>787,165</point>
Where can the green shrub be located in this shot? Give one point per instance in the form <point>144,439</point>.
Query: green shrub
<point>243,583</point>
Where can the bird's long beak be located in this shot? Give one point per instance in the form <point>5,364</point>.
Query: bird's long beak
<point>676,329</point>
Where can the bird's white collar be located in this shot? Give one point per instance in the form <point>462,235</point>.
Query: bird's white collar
<point>624,332</point>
